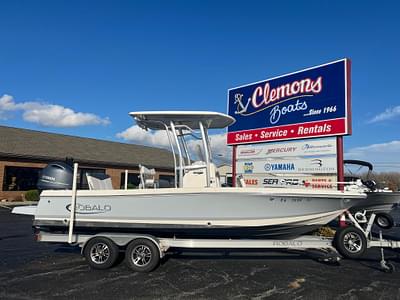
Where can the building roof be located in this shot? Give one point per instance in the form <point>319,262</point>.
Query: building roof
<point>31,144</point>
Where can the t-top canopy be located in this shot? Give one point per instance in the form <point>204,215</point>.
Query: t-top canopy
<point>359,163</point>
<point>156,119</point>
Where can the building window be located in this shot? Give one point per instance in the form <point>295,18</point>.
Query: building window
<point>20,178</point>
<point>82,183</point>
<point>133,180</point>
<point>166,181</point>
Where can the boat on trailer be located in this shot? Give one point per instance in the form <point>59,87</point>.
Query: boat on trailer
<point>379,201</point>
<point>195,213</point>
<point>197,206</point>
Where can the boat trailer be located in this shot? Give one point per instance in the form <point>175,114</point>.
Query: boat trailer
<point>143,252</point>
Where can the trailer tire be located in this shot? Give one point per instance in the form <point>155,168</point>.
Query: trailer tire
<point>101,253</point>
<point>142,255</point>
<point>350,242</point>
<point>384,220</point>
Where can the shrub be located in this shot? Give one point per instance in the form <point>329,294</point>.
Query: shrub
<point>131,186</point>
<point>32,195</point>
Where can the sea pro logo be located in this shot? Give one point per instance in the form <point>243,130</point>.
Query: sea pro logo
<point>281,182</point>
<point>90,209</point>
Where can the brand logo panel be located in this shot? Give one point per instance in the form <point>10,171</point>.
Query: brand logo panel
<point>322,165</point>
<point>303,182</point>
<point>325,146</point>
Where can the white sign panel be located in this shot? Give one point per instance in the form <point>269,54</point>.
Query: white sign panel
<point>304,182</point>
<point>321,165</point>
<point>288,149</point>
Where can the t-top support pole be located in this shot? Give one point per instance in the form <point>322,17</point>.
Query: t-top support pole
<point>179,152</point>
<point>206,152</point>
<point>173,154</point>
<point>126,180</point>
<point>73,204</point>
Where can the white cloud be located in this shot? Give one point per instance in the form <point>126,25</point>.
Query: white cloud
<point>49,114</point>
<point>150,138</point>
<point>59,116</point>
<point>7,103</point>
<point>384,156</point>
<point>388,114</point>
<point>221,152</point>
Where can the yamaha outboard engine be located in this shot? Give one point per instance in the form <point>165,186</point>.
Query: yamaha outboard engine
<point>56,176</point>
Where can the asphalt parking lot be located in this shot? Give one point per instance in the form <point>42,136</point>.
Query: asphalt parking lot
<point>31,270</point>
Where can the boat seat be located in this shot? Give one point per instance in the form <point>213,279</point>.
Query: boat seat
<point>240,181</point>
<point>147,178</point>
<point>99,181</point>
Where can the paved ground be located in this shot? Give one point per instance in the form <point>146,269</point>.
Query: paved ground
<point>30,270</point>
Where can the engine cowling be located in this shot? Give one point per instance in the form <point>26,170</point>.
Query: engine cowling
<point>56,176</point>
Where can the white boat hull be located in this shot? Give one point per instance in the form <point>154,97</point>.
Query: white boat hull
<point>213,212</point>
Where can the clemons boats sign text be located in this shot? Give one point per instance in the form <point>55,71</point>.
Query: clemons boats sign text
<point>310,103</point>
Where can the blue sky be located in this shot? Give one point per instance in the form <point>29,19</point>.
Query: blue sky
<point>79,67</point>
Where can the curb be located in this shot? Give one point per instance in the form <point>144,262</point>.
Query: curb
<point>17,203</point>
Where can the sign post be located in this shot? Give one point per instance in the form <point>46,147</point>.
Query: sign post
<point>340,166</point>
<point>234,165</point>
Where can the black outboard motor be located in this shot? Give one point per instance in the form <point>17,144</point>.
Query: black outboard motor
<point>56,176</point>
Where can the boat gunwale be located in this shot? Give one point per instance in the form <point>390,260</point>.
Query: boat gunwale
<point>277,192</point>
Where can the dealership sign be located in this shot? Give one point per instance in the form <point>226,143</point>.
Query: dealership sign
<point>309,103</point>
<point>321,165</point>
<point>319,147</point>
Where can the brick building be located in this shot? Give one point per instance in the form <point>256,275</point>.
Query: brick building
<point>23,153</point>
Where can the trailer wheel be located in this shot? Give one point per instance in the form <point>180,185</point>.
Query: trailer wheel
<point>350,242</point>
<point>384,220</point>
<point>101,253</point>
<point>142,255</point>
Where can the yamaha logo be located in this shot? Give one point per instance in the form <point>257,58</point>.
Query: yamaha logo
<point>279,167</point>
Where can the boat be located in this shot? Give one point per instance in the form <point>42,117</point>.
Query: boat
<point>196,206</point>
<point>379,201</point>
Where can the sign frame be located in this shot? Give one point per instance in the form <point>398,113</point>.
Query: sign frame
<point>344,120</point>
